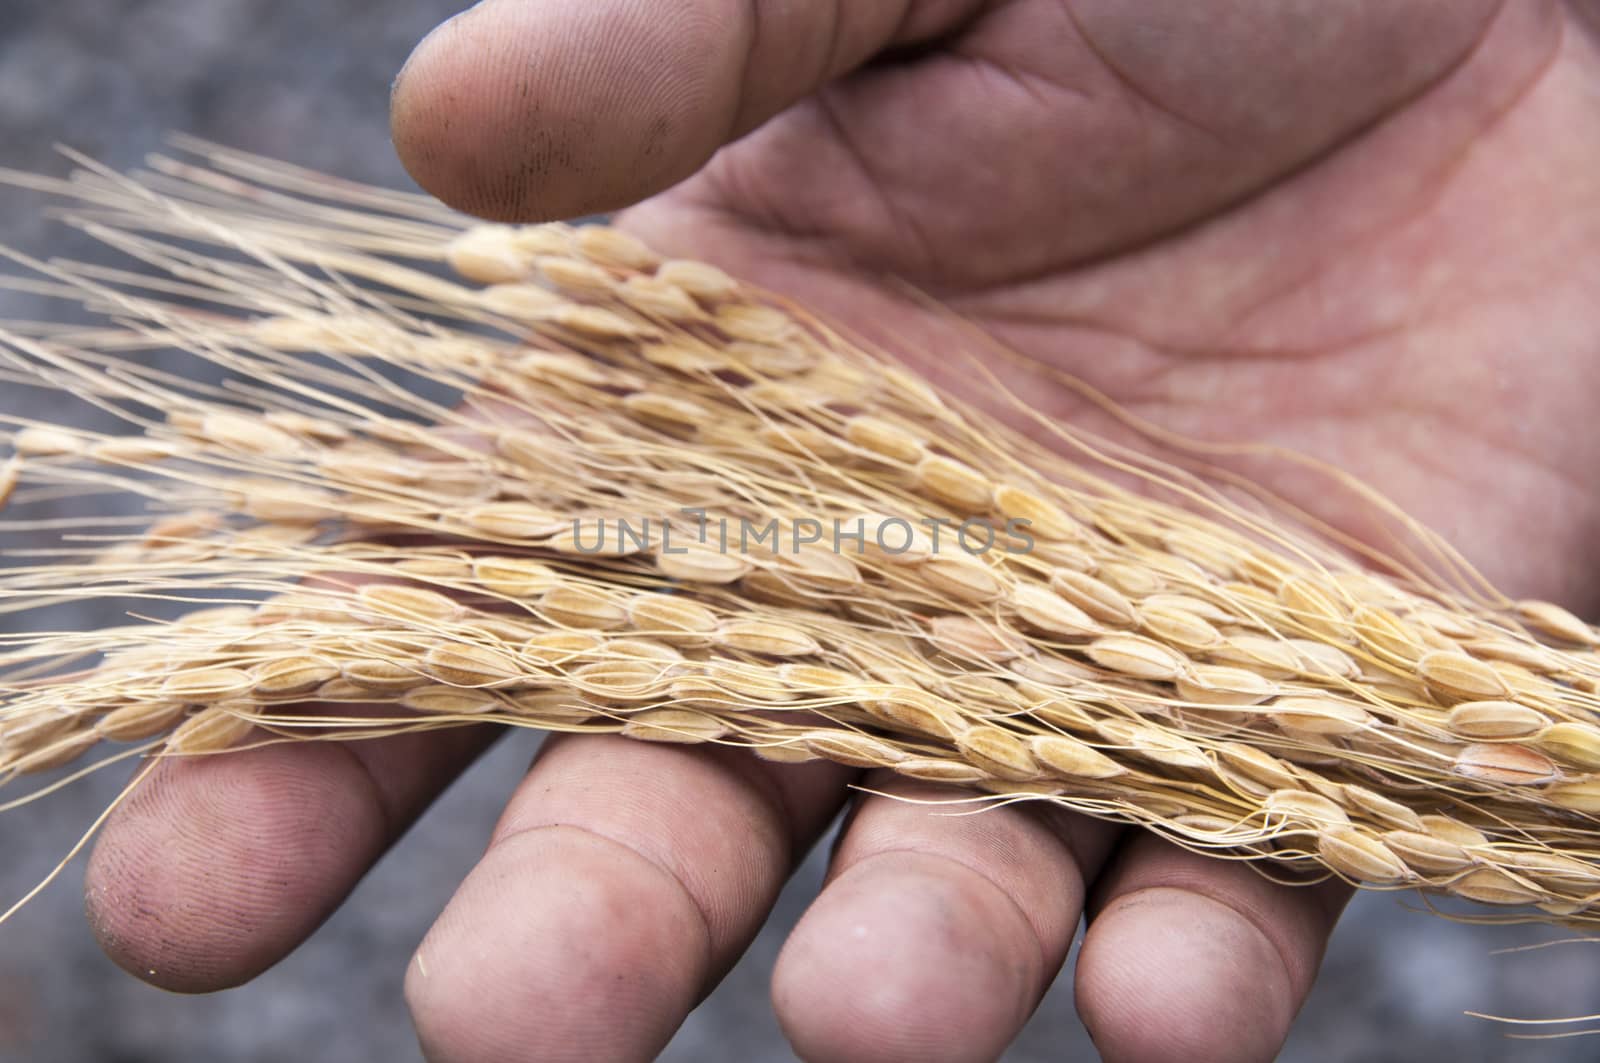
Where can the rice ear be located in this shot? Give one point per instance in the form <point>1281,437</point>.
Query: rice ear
<point>1220,673</point>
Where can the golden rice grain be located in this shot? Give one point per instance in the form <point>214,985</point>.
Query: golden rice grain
<point>1136,656</point>
<point>1361,857</point>
<point>140,720</point>
<point>687,726</point>
<point>577,606</point>
<point>1495,719</point>
<point>466,665</point>
<point>1505,763</point>
<point>211,730</point>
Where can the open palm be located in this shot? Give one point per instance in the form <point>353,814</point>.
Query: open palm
<point>1368,231</point>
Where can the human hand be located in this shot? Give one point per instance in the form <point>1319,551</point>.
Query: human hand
<point>1363,231</point>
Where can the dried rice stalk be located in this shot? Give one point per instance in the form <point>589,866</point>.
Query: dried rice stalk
<point>673,507</point>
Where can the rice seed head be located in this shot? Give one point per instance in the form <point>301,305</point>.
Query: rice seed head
<point>1505,763</point>
<point>700,564</point>
<point>1138,657</point>
<point>941,770</point>
<point>971,639</point>
<point>1556,623</point>
<point>135,450</point>
<point>1495,719</point>
<point>38,441</point>
<point>1044,519</point>
<point>520,301</point>
<point>1577,744</point>
<point>1261,772</point>
<point>1133,580</point>
<point>466,665</point>
<point>853,749</point>
<point>1301,806</point>
<point>818,677</point>
<point>407,603</point>
<point>1068,758</point>
<point>516,521</point>
<point>705,282</point>
<point>611,247</point>
<point>766,637</point>
<point>10,477</point>
<point>1320,714</point>
<point>520,578</point>
<point>1311,606</point>
<point>1153,743</point>
<point>241,432</point>
<point>288,677</point>
<point>755,324</point>
<point>1142,661</point>
<point>1452,830</point>
<point>1319,660</point>
<point>681,416</point>
<point>488,254</point>
<point>656,298</point>
<point>621,681</point>
<point>963,578</point>
<point>549,649</point>
<point>1493,885</point>
<point>1000,753</point>
<point>884,440</point>
<point>1213,684</point>
<point>643,649</point>
<point>672,618</point>
<point>276,501</point>
<point>1271,658</point>
<point>37,729</point>
<point>1582,795</point>
<point>1426,853</point>
<point>1100,600</point>
<point>1051,613</point>
<point>377,675</point>
<point>207,685</point>
<point>1179,628</point>
<point>953,482</point>
<point>1376,806</point>
<point>1361,857</point>
<point>582,607</point>
<point>682,726</point>
<point>1455,677</point>
<point>57,754</point>
<point>210,730</point>
<point>140,720</point>
<point>444,700</point>
<point>913,712</point>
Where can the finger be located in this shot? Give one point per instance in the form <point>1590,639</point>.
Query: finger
<point>1190,957</point>
<point>623,880</point>
<point>538,109</point>
<point>217,867</point>
<point>936,935</point>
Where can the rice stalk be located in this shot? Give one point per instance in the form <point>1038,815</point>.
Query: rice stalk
<point>542,477</point>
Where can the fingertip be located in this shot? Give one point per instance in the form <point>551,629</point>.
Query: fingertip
<point>215,868</point>
<point>906,956</point>
<point>1190,957</point>
<point>524,112</point>
<point>1169,974</point>
<point>560,944</point>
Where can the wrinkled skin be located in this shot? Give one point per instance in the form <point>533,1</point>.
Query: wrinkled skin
<point>1366,230</point>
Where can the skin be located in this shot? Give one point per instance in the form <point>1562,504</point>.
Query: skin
<point>1365,230</point>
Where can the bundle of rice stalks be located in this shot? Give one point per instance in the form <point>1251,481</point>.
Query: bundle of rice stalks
<point>542,477</point>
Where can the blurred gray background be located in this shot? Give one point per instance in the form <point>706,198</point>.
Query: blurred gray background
<point>307,81</point>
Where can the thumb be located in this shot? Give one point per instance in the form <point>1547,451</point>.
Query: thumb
<point>536,109</point>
